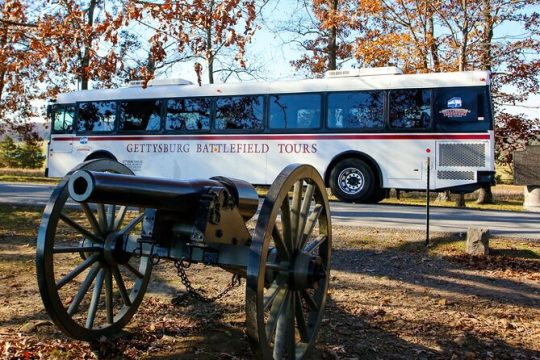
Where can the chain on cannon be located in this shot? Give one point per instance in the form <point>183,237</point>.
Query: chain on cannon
<point>104,229</point>
<point>179,265</point>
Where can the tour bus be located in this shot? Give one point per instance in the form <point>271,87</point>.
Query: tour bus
<point>364,130</point>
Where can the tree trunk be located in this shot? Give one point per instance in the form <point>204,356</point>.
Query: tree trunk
<point>487,29</point>
<point>485,196</point>
<point>85,60</point>
<point>433,45</point>
<point>3,42</point>
<point>460,200</point>
<point>443,196</point>
<point>332,42</point>
<point>209,48</point>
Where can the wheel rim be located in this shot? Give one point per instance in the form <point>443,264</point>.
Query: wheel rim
<point>351,181</point>
<point>89,286</point>
<point>289,266</point>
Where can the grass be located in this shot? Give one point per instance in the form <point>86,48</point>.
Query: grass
<point>26,176</point>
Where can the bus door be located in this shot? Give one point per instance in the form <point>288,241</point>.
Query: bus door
<point>465,115</point>
<point>61,129</point>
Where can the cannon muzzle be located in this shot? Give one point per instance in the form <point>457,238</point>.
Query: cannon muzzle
<point>165,194</point>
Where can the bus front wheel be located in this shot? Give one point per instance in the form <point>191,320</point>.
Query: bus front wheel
<point>352,180</point>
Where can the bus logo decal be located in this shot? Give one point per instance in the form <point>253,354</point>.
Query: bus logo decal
<point>454,103</point>
<point>83,140</point>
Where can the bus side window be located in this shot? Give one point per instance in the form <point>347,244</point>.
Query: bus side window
<point>462,109</point>
<point>410,109</point>
<point>140,115</point>
<point>239,112</point>
<point>69,118</point>
<point>97,116</point>
<point>63,116</point>
<point>362,110</point>
<point>295,111</point>
<point>188,114</point>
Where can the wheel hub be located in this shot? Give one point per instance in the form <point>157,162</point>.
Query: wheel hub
<point>351,180</point>
<point>113,249</point>
<point>308,271</point>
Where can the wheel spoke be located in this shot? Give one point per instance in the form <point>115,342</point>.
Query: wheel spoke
<point>134,271</point>
<point>80,229</point>
<point>121,285</point>
<point>300,319</point>
<point>281,343</point>
<point>83,289</point>
<point>274,290</point>
<point>111,213</point>
<point>102,216</point>
<point>109,295</point>
<point>79,269</point>
<point>286,224</point>
<point>91,218</point>
<point>275,310</point>
<point>120,217</point>
<point>295,213</point>
<point>306,204</point>
<point>132,224</point>
<point>277,267</point>
<point>70,249</point>
<point>309,300</point>
<point>311,222</point>
<point>316,244</point>
<point>92,309</point>
<point>280,244</point>
<point>291,328</point>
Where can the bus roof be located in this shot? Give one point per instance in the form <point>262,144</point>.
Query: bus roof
<point>374,82</point>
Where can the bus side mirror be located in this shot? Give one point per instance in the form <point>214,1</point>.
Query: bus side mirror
<point>49,110</point>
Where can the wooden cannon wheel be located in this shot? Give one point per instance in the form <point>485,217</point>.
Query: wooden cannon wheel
<point>89,286</point>
<point>289,265</point>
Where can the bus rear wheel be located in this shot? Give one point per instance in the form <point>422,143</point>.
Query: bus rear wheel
<point>352,180</point>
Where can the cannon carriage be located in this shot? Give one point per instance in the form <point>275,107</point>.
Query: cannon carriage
<point>104,229</point>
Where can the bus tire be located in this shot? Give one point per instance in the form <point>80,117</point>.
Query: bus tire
<point>102,154</point>
<point>378,195</point>
<point>352,180</point>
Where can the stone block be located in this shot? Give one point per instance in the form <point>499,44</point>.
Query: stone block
<point>477,241</point>
<point>531,198</point>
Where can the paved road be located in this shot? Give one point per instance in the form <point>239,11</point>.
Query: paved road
<point>514,224</point>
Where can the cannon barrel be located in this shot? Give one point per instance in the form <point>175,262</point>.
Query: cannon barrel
<point>165,194</point>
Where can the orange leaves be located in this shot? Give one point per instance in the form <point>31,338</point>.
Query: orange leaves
<point>196,29</point>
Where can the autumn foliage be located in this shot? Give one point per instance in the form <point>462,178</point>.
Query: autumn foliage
<point>49,46</point>
<point>434,36</point>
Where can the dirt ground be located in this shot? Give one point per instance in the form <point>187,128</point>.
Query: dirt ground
<point>390,298</point>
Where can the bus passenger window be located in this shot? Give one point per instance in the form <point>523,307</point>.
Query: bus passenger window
<point>239,112</point>
<point>298,111</point>
<point>96,116</point>
<point>356,110</point>
<point>188,114</point>
<point>410,109</point>
<point>140,115</point>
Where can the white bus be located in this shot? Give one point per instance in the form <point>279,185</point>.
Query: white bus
<point>364,130</point>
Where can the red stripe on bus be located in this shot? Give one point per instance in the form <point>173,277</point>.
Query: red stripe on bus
<point>289,137</point>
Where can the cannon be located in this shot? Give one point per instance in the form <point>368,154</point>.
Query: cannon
<point>104,229</point>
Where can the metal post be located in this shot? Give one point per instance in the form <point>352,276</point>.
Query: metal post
<point>427,200</point>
